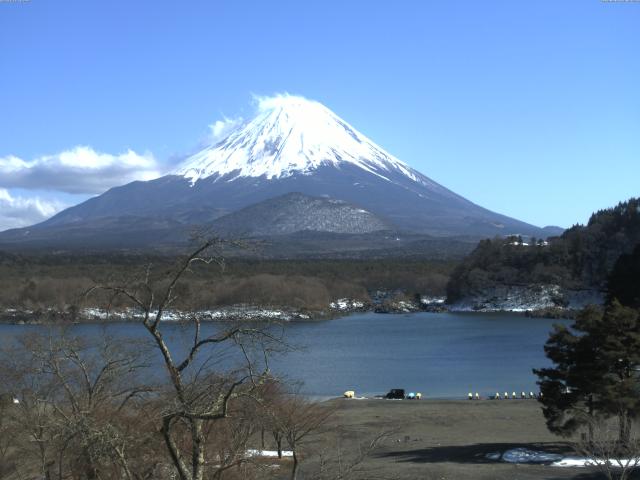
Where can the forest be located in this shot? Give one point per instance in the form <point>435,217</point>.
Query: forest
<point>581,258</point>
<point>39,282</point>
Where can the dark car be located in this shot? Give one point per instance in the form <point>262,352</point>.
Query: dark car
<point>395,393</point>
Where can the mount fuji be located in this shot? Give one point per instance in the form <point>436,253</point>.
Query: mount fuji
<point>292,145</point>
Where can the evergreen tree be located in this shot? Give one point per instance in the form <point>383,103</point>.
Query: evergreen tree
<point>624,281</point>
<point>618,334</point>
<point>582,257</point>
<point>568,388</point>
<point>595,371</point>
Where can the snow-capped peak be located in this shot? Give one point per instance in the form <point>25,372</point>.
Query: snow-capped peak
<point>290,135</point>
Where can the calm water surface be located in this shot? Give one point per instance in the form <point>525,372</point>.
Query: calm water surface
<point>440,355</point>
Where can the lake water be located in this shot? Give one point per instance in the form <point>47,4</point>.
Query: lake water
<point>444,355</point>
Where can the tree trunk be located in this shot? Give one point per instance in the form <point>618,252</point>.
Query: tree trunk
<point>294,471</point>
<point>91,471</point>
<point>124,463</point>
<point>278,439</point>
<point>198,449</point>
<point>590,424</point>
<point>627,429</point>
<point>624,421</point>
<point>176,459</point>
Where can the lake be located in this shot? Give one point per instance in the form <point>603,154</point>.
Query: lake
<point>441,355</point>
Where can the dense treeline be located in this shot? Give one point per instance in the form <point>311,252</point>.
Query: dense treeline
<point>581,257</point>
<point>56,281</point>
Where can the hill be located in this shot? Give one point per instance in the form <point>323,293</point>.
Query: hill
<point>296,212</point>
<point>578,260</point>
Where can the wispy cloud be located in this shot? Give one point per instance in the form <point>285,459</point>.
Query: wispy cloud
<point>17,211</point>
<point>221,128</point>
<point>79,170</point>
<point>264,103</point>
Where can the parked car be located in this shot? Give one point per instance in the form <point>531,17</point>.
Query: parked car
<point>395,393</point>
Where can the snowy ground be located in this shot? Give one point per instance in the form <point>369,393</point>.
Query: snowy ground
<point>514,298</point>
<point>268,453</point>
<point>524,455</point>
<point>222,314</point>
<point>346,304</point>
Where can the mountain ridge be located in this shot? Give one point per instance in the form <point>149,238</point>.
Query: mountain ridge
<point>291,145</point>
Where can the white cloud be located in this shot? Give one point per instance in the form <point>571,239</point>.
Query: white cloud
<point>264,103</point>
<point>221,128</point>
<point>79,170</point>
<point>16,211</point>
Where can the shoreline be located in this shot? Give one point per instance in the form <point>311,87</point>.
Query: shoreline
<point>249,313</point>
<point>425,399</point>
<point>245,314</point>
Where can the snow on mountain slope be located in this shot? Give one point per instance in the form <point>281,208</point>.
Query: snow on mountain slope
<point>291,134</point>
<point>291,145</point>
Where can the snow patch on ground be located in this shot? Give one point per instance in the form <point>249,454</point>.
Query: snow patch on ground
<point>404,306</point>
<point>268,453</point>
<point>223,314</point>
<point>590,462</point>
<point>345,304</point>
<point>426,300</point>
<point>525,455</point>
<point>516,298</point>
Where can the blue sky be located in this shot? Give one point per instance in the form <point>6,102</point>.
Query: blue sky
<point>531,109</point>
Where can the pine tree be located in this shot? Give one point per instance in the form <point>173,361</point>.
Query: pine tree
<point>619,349</point>
<point>595,371</point>
<point>624,281</point>
<point>568,388</point>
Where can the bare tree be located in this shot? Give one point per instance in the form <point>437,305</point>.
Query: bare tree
<point>7,433</point>
<point>200,391</point>
<point>233,439</point>
<point>294,419</point>
<point>91,409</point>
<point>72,405</point>
<point>338,463</point>
<point>604,450</point>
